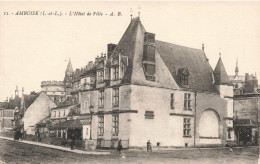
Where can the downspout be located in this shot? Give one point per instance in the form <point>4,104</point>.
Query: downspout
<point>257,102</point>
<point>195,118</point>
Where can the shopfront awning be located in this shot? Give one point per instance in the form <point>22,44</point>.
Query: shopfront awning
<point>244,123</point>
<point>67,124</point>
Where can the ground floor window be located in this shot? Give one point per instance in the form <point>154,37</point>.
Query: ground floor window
<point>229,133</point>
<point>100,125</point>
<point>115,125</point>
<point>75,133</point>
<point>59,133</point>
<point>186,127</point>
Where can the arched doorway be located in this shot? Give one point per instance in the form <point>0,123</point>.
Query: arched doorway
<point>209,124</point>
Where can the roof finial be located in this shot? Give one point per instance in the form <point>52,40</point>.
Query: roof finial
<point>131,11</point>
<point>139,8</point>
<point>236,70</point>
<point>202,46</point>
<point>220,52</point>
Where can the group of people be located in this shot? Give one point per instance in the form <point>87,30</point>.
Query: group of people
<point>19,134</point>
<point>148,146</point>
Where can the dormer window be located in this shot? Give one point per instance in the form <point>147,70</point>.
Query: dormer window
<point>100,74</point>
<point>149,56</point>
<point>115,71</point>
<point>184,79</point>
<point>149,37</point>
<point>183,74</point>
<point>115,67</point>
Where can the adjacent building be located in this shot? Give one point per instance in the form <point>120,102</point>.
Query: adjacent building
<point>54,89</point>
<point>246,107</point>
<point>38,110</point>
<point>246,118</point>
<point>243,84</point>
<point>7,122</point>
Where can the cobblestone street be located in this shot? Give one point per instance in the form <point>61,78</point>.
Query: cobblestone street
<point>17,152</point>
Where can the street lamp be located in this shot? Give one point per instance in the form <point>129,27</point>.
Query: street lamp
<point>91,111</point>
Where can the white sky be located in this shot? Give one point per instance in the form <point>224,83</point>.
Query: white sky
<point>34,48</point>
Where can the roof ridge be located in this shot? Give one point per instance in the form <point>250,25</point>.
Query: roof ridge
<point>180,45</point>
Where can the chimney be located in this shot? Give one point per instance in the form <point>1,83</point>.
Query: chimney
<point>110,49</point>
<point>202,46</point>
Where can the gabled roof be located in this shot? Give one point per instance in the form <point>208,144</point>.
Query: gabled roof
<point>220,73</point>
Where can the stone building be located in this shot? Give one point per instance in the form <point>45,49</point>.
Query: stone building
<point>7,121</point>
<point>246,107</point>
<point>17,106</point>
<point>246,118</point>
<point>145,89</point>
<point>54,89</point>
<point>38,110</point>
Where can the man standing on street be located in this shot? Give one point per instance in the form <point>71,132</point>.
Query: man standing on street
<point>149,146</point>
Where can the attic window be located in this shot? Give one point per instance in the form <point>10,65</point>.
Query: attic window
<point>184,79</point>
<point>149,114</point>
<point>183,74</point>
<point>149,37</point>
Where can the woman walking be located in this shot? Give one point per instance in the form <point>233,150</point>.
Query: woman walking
<point>119,146</point>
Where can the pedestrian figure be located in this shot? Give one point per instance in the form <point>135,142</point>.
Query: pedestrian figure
<point>38,135</point>
<point>149,146</point>
<point>230,148</point>
<point>72,143</point>
<point>119,146</point>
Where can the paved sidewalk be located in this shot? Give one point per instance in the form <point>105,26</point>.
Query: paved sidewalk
<point>188,148</point>
<point>58,147</point>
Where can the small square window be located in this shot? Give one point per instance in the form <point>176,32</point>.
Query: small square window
<point>149,114</point>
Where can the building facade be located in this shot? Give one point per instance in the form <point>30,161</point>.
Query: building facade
<point>7,121</point>
<point>38,110</point>
<point>246,118</point>
<point>145,89</point>
<point>54,89</point>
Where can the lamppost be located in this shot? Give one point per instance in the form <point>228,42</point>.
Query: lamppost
<point>91,111</point>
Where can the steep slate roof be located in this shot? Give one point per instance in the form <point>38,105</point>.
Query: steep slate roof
<point>89,72</point>
<point>174,56</point>
<point>178,57</point>
<point>220,73</point>
<point>127,45</point>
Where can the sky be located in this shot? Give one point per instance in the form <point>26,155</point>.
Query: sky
<point>35,48</point>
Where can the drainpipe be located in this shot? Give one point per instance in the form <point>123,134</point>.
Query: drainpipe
<point>195,118</point>
<point>257,137</point>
